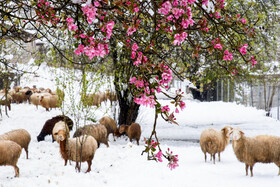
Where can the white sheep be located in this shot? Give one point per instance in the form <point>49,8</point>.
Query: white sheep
<point>214,141</point>
<point>49,101</point>
<point>79,149</point>
<point>20,136</point>
<point>250,150</point>
<point>9,154</point>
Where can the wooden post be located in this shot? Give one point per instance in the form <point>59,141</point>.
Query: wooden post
<point>222,91</point>
<point>278,102</point>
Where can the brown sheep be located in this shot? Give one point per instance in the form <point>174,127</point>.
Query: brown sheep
<point>71,148</point>
<point>250,150</point>
<point>92,99</point>
<point>20,136</point>
<point>110,125</point>
<point>60,127</point>
<point>133,131</point>
<point>9,154</point>
<point>214,141</point>
<point>98,131</point>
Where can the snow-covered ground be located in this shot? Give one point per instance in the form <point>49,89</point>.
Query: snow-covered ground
<point>122,163</point>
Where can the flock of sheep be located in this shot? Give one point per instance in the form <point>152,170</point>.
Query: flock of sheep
<point>249,150</point>
<point>80,148</point>
<point>49,99</point>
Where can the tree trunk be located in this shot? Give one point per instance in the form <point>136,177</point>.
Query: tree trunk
<point>128,108</point>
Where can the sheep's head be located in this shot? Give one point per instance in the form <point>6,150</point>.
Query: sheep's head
<point>60,135</point>
<point>122,128</point>
<point>236,134</point>
<point>227,130</point>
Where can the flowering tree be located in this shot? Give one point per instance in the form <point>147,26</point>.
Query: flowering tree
<point>143,39</point>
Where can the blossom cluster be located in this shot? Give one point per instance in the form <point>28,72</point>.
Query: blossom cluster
<point>173,159</point>
<point>176,11</point>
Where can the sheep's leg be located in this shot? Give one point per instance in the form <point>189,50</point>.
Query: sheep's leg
<point>89,166</point>
<point>211,156</point>
<point>205,156</point>
<point>219,156</point>
<point>137,141</point>
<point>16,171</point>
<point>251,169</point>
<point>65,162</point>
<point>26,150</point>
<point>214,158</point>
<point>246,169</point>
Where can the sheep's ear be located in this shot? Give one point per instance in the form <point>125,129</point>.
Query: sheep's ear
<point>241,132</point>
<point>56,133</point>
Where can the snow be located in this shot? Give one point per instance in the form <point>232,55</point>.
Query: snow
<point>122,163</point>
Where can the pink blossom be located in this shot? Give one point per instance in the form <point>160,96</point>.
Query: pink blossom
<point>218,46</point>
<point>72,26</point>
<point>69,20</point>
<point>165,108</point>
<point>139,84</point>
<point>185,23</point>
<point>166,8</point>
<point>243,21</point>
<point>90,12</point>
<point>170,18</point>
<point>179,38</point>
<point>217,14</point>
<point>80,49</point>
<point>135,47</point>
<point>176,110</point>
<point>205,2</point>
<point>175,3</point>
<point>243,49</point>
<point>238,15</point>
<point>177,12</point>
<point>145,100</point>
<point>227,56</point>
<point>109,27</point>
<point>130,31</point>
<point>136,9</point>
<point>182,105</point>
<point>83,36</point>
<point>96,3</point>
<point>133,54</point>
<point>158,89</point>
<point>132,80</point>
<point>159,156</point>
<point>137,63</point>
<point>253,60</point>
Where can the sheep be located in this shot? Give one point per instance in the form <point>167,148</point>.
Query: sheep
<point>98,131</point>
<point>92,99</point>
<point>49,101</point>
<point>20,136</point>
<point>79,149</point>
<point>213,141</point>
<point>4,101</point>
<point>35,99</point>
<point>9,154</point>
<point>133,131</point>
<point>110,125</point>
<point>250,150</point>
<point>60,126</point>
<point>49,124</point>
<point>111,96</point>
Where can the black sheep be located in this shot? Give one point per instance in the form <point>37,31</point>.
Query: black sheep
<point>49,124</point>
